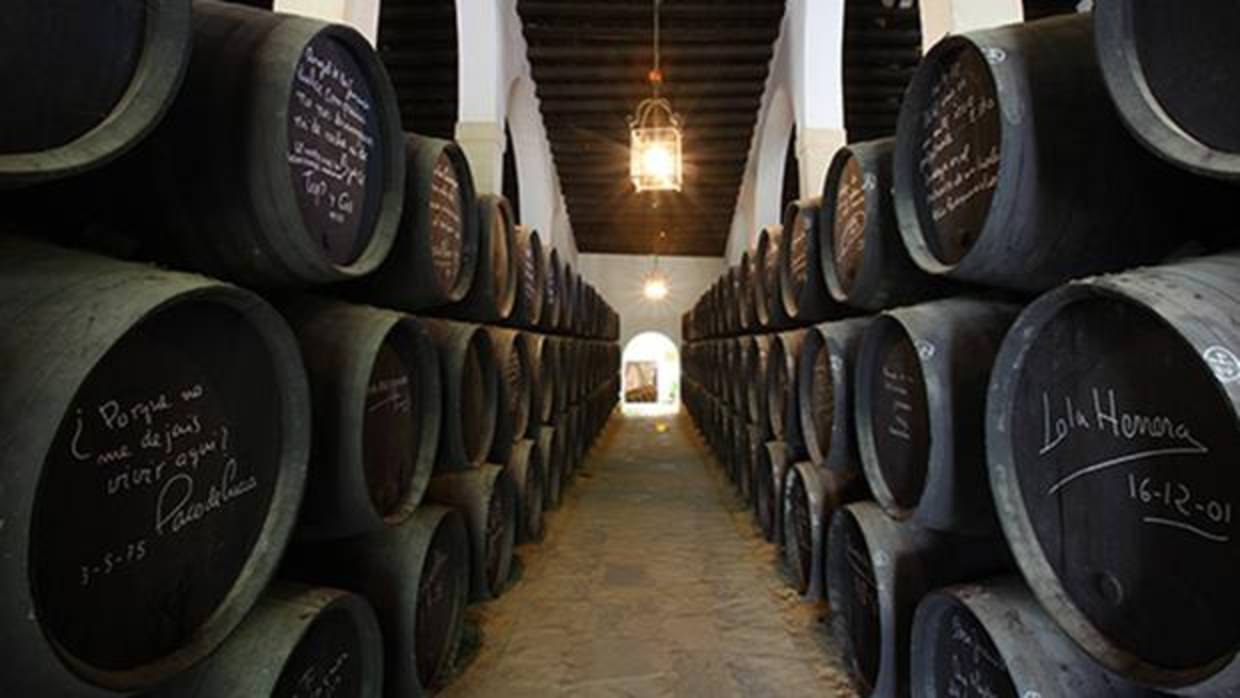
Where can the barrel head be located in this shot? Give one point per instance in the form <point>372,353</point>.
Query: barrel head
<point>895,406</point>
<point>335,152</point>
<point>1123,446</point>
<point>327,661</point>
<point>848,236</point>
<point>72,61</point>
<point>958,166</point>
<point>390,426</point>
<point>156,488</point>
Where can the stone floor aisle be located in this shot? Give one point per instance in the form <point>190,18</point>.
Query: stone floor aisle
<point>652,582</point>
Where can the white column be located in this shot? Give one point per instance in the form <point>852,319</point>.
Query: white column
<point>362,15</point>
<point>483,143</point>
<point>942,17</point>
<point>815,149</point>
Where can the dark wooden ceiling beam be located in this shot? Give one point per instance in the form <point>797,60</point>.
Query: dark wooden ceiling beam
<point>549,74</point>
<point>617,120</point>
<point>578,106</point>
<point>637,90</point>
<point>672,36</point>
<point>643,55</point>
<point>764,10</point>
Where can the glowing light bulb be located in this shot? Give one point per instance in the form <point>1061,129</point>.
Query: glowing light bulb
<point>657,162</point>
<point>655,289</point>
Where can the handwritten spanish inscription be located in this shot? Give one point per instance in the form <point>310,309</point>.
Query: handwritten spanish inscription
<point>1123,459</point>
<point>447,223</point>
<point>154,490</point>
<point>861,591</point>
<point>389,429</point>
<point>959,162</point>
<point>798,250</point>
<point>529,275</point>
<point>850,220</point>
<point>334,157</point>
<point>975,667</point>
<point>440,600</point>
<point>326,663</point>
<point>900,418</point>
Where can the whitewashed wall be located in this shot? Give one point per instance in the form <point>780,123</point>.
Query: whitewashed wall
<point>619,278</point>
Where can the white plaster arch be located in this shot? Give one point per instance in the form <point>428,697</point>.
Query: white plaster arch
<point>657,348</point>
<point>804,87</point>
<point>777,126</point>
<point>496,86</point>
<point>535,171</point>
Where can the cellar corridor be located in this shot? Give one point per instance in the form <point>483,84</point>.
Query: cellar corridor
<point>652,581</point>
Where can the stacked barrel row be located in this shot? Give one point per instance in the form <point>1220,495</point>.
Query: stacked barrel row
<point>283,461</point>
<point>983,392</point>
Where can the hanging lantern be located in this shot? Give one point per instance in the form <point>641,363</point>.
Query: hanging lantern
<point>654,285</point>
<point>655,162</point>
<point>655,288</point>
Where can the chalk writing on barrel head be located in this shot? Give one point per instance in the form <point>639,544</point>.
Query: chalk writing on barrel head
<point>332,154</point>
<point>959,162</point>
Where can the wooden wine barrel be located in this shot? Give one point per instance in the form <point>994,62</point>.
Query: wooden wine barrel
<point>742,467</point>
<point>730,305</point>
<point>531,279</point>
<point>488,500</point>
<point>469,378</point>
<point>87,82</point>
<point>863,260</point>
<point>187,399</point>
<point>759,278</point>
<point>754,466</point>
<point>375,388</point>
<point>730,392</point>
<point>770,471</point>
<point>1020,116</point>
<point>551,447</point>
<point>552,301</point>
<point>921,375</point>
<point>574,442</point>
<point>781,391</point>
<point>570,281</point>
<point>755,372</point>
<point>744,292</point>
<point>545,358</point>
<point>811,497</point>
<point>801,285</point>
<point>878,570</point>
<point>416,577</point>
<point>525,470</point>
<point>567,348</point>
<point>280,162</point>
<point>994,639</point>
<point>493,294</point>
<point>298,641</point>
<point>1113,415</point>
<point>745,347</point>
<point>825,386</point>
<point>516,391</point>
<point>1172,74</point>
<point>435,254</point>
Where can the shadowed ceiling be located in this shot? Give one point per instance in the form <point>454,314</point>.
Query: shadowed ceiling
<point>590,60</point>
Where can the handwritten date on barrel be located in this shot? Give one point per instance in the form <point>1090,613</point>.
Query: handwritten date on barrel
<point>1176,498</point>
<point>113,560</point>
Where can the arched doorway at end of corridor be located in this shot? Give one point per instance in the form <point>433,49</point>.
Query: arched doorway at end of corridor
<point>650,375</point>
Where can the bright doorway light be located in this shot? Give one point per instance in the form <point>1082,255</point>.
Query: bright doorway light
<point>651,375</point>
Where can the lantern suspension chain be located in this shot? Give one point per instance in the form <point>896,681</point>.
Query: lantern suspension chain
<point>656,75</point>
